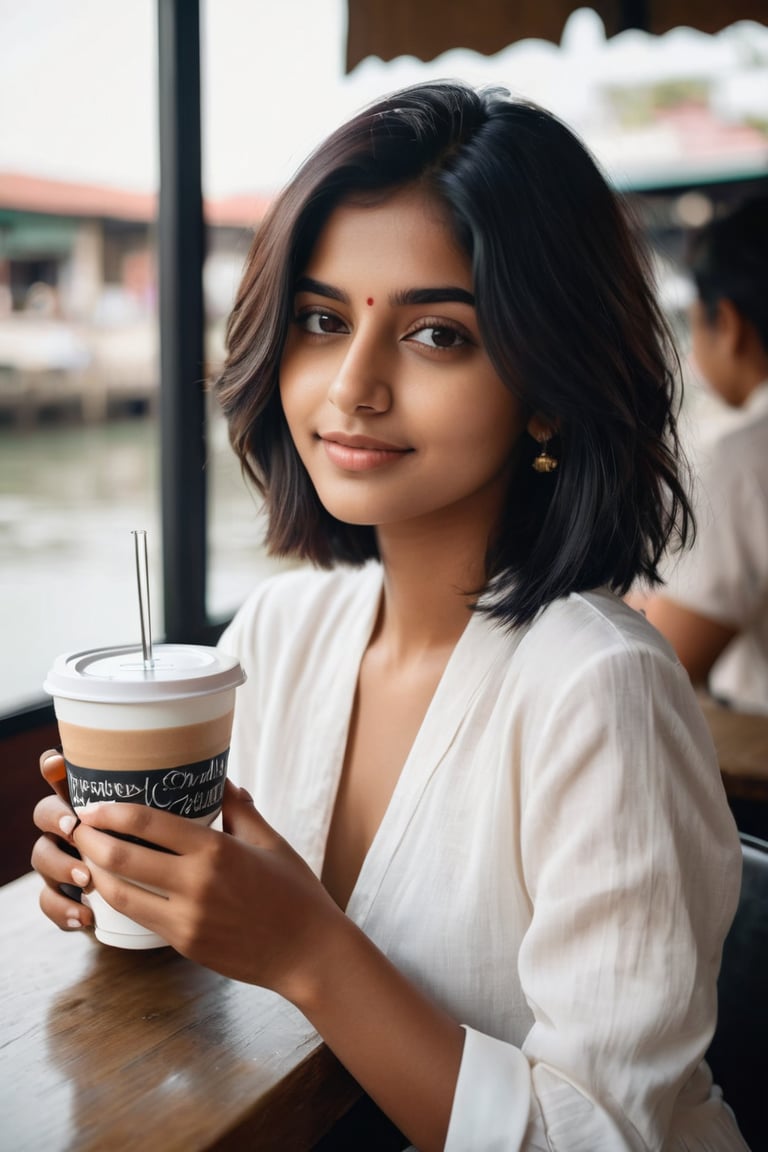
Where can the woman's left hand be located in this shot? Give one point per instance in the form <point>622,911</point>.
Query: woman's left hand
<point>239,901</point>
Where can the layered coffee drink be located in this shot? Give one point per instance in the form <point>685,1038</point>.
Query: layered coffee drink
<point>157,736</point>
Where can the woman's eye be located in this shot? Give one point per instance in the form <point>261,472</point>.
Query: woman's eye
<point>320,323</point>
<point>439,336</point>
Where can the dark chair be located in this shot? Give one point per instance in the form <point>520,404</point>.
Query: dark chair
<point>738,1055</point>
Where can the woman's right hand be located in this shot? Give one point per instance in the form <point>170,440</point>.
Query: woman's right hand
<point>54,855</point>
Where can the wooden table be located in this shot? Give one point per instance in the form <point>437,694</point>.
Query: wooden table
<point>102,1048</point>
<point>741,740</point>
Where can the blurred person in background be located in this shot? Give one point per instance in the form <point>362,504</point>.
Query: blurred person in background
<point>713,607</point>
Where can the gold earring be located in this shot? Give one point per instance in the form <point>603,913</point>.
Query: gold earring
<point>544,462</point>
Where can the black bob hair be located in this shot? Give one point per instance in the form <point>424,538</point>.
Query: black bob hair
<point>567,314</point>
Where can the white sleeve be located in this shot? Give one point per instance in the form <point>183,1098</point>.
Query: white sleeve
<point>631,861</point>
<point>491,1104</point>
<point>724,575</point>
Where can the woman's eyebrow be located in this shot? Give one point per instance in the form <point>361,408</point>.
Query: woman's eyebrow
<point>433,296</point>
<point>320,288</point>
<point>438,295</point>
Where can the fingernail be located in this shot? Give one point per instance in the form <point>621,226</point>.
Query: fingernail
<point>73,923</point>
<point>68,823</point>
<point>80,877</point>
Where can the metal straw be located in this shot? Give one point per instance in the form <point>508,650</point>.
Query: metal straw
<point>142,585</point>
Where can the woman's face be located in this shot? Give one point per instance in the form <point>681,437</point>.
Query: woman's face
<point>394,407</point>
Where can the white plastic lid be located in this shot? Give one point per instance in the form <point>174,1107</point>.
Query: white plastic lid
<point>118,675</point>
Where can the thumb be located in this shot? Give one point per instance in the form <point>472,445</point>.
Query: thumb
<point>239,816</point>
<point>54,771</point>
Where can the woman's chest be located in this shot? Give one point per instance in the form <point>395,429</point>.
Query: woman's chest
<point>387,715</point>
<point>440,886</point>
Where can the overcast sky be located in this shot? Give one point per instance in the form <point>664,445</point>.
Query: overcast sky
<point>78,84</point>
<point>78,88</point>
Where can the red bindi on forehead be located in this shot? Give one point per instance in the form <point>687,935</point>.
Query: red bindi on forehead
<point>369,301</point>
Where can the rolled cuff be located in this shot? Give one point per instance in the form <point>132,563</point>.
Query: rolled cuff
<point>492,1102</point>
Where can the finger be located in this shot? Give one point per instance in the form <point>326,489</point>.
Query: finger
<point>148,908</point>
<point>64,913</point>
<point>177,834</point>
<point>243,793</point>
<point>57,866</point>
<point>234,801</point>
<point>54,816</point>
<point>52,854</point>
<point>54,771</point>
<point>136,863</point>
<point>64,879</point>
<point>243,820</point>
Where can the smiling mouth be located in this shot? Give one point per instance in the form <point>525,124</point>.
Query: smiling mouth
<point>360,453</point>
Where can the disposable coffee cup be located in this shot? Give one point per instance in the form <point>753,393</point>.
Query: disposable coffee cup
<point>156,735</point>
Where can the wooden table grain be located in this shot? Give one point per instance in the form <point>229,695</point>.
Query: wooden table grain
<point>102,1048</point>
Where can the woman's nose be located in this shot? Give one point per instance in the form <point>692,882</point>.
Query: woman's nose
<point>362,380</point>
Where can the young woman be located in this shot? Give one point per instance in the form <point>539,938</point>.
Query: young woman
<point>488,852</point>
<point>714,607</point>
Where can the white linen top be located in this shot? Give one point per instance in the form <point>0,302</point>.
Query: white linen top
<point>557,866</point>
<point>725,575</point>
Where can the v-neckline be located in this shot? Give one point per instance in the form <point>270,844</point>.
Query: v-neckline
<point>462,676</point>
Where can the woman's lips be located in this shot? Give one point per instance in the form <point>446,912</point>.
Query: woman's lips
<point>359,453</point>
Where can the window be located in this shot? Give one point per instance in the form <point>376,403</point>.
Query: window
<point>84,453</point>
<point>78,328</point>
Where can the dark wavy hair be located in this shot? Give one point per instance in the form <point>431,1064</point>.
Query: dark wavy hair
<point>728,259</point>
<point>567,313</point>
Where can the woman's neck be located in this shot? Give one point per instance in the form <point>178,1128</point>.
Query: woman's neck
<point>431,580</point>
